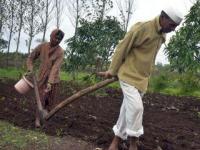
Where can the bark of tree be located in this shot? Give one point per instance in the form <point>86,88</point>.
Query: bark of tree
<point>11,25</point>
<point>21,13</point>
<point>59,9</point>
<point>103,10</point>
<point>46,20</point>
<point>31,29</point>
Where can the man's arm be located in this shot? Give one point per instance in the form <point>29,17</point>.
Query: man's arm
<point>32,56</point>
<point>133,38</point>
<point>56,68</point>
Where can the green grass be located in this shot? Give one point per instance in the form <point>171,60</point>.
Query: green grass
<point>196,93</point>
<point>66,76</point>
<point>172,91</point>
<point>175,84</point>
<point>11,73</point>
<point>12,137</point>
<point>164,83</point>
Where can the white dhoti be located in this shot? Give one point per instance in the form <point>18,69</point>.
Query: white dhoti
<point>130,118</point>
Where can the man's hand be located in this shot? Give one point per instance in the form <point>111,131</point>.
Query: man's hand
<point>29,72</point>
<point>30,69</point>
<point>48,89</point>
<point>105,74</point>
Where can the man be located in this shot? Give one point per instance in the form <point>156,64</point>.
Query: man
<point>132,63</point>
<point>50,55</point>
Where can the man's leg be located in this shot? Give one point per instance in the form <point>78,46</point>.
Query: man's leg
<point>119,129</point>
<point>115,143</point>
<point>133,143</point>
<point>134,113</point>
<point>51,100</point>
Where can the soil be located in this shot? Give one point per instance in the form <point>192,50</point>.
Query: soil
<point>170,122</point>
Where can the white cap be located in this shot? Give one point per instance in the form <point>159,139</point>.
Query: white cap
<point>174,14</point>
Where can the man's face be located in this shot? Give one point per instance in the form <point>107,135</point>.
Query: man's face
<point>168,25</point>
<point>55,40</point>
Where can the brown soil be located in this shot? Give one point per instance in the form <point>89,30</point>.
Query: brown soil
<point>170,123</point>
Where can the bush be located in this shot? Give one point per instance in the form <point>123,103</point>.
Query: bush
<point>159,82</point>
<point>189,82</point>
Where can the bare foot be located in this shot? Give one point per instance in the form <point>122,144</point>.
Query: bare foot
<point>37,123</point>
<point>44,113</point>
<point>113,147</point>
<point>133,147</point>
<point>114,144</point>
<point>133,143</point>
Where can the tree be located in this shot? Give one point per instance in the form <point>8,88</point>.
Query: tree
<point>21,9</point>
<point>45,16</point>
<point>183,50</point>
<point>10,9</point>
<point>75,12</point>
<point>98,9</point>
<point>2,14</point>
<point>3,44</point>
<point>126,10</point>
<point>32,24</point>
<point>93,40</point>
<point>59,8</point>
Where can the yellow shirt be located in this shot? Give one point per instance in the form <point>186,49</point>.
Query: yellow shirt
<point>135,54</point>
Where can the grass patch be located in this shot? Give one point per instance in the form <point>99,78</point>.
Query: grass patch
<point>65,76</point>
<point>114,85</point>
<point>196,93</point>
<point>12,137</point>
<point>172,91</point>
<point>166,83</point>
<point>11,73</point>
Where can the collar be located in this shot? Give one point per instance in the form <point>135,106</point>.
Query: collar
<point>158,27</point>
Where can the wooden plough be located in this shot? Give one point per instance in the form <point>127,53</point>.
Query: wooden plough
<point>76,96</point>
<point>37,96</point>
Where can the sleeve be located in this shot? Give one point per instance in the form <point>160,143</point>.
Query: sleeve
<point>133,38</point>
<point>56,68</point>
<point>32,56</point>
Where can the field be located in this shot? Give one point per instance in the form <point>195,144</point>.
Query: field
<point>170,122</point>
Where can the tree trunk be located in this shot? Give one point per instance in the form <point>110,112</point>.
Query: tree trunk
<point>77,17</point>
<point>31,31</point>
<point>125,11</point>
<point>44,33</point>
<point>103,10</point>
<point>57,14</point>
<point>2,4</point>
<point>1,16</point>
<point>46,20</point>
<point>128,15</point>
<point>9,40</point>
<point>20,28</point>
<point>11,32</point>
<point>30,41</point>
